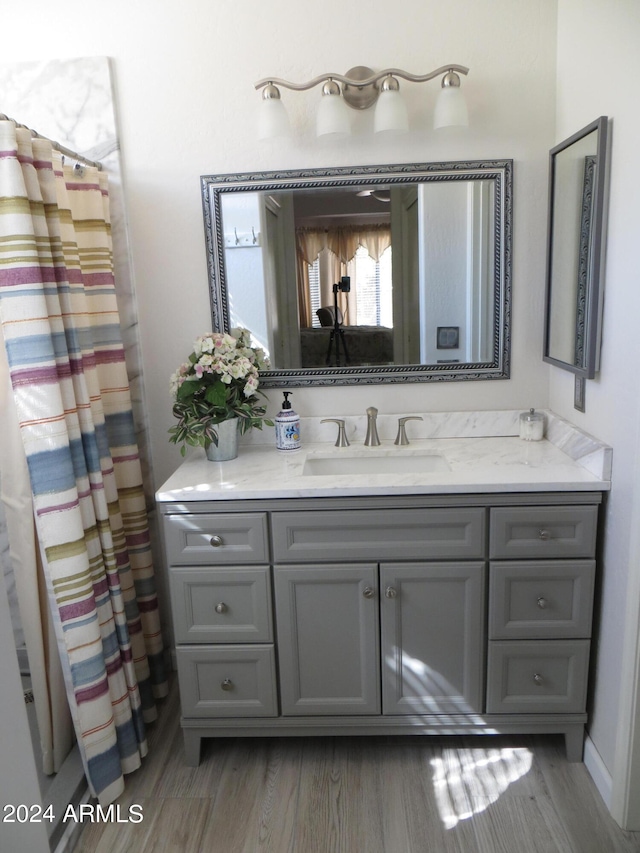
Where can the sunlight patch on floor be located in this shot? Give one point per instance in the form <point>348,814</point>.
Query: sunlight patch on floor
<point>468,781</point>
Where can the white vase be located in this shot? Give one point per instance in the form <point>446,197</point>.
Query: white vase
<point>227,446</point>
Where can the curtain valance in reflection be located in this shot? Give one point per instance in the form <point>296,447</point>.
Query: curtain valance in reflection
<point>343,241</point>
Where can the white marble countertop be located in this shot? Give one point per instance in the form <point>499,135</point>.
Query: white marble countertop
<point>483,455</point>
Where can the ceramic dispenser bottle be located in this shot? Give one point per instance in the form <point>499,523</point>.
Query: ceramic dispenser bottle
<point>287,423</point>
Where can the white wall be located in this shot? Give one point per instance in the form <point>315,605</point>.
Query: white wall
<point>598,74</point>
<point>184,95</point>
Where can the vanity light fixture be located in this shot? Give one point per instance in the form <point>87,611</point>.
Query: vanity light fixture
<point>361,89</point>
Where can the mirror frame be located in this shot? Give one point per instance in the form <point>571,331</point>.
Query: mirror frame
<point>590,249</point>
<point>214,187</point>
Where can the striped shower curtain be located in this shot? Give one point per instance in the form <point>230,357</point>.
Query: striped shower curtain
<point>66,363</point>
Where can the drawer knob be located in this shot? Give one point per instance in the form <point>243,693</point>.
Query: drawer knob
<point>542,603</point>
<point>227,684</point>
<point>221,608</point>
<point>368,592</point>
<point>215,541</point>
<point>544,535</point>
<point>391,592</point>
<point>538,679</point>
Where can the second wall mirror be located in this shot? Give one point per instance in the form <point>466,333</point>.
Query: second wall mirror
<point>366,274</point>
<point>575,256</point>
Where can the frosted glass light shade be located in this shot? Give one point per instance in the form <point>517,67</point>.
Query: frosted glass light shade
<point>391,113</point>
<point>451,108</point>
<point>333,117</point>
<point>273,120</point>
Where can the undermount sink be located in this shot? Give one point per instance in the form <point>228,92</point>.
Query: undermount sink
<point>375,462</point>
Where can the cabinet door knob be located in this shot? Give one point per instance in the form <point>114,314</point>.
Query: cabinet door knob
<point>221,608</point>
<point>215,541</point>
<point>538,679</point>
<point>227,684</point>
<point>391,592</point>
<point>542,603</point>
<point>544,535</point>
<point>368,592</point>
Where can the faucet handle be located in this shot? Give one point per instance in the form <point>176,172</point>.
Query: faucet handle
<point>372,439</point>
<point>401,437</point>
<point>342,440</point>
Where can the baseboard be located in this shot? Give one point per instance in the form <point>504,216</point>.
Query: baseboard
<point>598,771</point>
<point>72,832</point>
<point>67,787</point>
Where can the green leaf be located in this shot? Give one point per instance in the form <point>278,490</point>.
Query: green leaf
<point>187,390</point>
<point>216,394</point>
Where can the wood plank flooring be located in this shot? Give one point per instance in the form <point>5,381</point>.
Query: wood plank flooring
<point>360,795</point>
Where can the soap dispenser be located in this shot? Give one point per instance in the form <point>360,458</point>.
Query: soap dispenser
<point>287,425</point>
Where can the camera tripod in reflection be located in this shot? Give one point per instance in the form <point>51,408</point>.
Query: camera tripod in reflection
<point>336,337</point>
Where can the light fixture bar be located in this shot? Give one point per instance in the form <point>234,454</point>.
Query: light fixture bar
<point>361,89</point>
<point>368,81</point>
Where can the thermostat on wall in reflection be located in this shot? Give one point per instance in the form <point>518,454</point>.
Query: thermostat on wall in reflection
<point>448,337</point>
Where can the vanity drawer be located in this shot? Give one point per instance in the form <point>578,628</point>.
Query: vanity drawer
<point>227,681</point>
<point>537,676</point>
<point>212,538</point>
<point>555,531</point>
<point>537,600</point>
<point>379,534</point>
<point>221,605</point>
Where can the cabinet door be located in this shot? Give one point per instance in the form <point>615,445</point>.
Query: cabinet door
<point>328,642</point>
<point>432,617</point>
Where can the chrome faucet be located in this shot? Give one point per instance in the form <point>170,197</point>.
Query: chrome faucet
<point>372,439</point>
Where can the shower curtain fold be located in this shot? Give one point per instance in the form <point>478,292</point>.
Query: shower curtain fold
<point>66,361</point>
<point>55,726</point>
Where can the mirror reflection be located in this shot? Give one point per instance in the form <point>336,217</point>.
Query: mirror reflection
<point>574,295</point>
<point>375,275</point>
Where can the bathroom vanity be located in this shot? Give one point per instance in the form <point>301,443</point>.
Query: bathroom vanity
<point>454,598</point>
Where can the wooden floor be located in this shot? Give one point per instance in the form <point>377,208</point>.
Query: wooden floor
<point>360,795</point>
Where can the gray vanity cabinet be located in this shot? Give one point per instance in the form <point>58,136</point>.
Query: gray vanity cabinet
<point>413,614</point>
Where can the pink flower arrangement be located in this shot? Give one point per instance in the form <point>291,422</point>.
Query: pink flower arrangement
<point>218,382</point>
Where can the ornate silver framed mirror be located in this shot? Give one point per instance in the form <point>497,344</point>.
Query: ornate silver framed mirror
<point>426,250</point>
